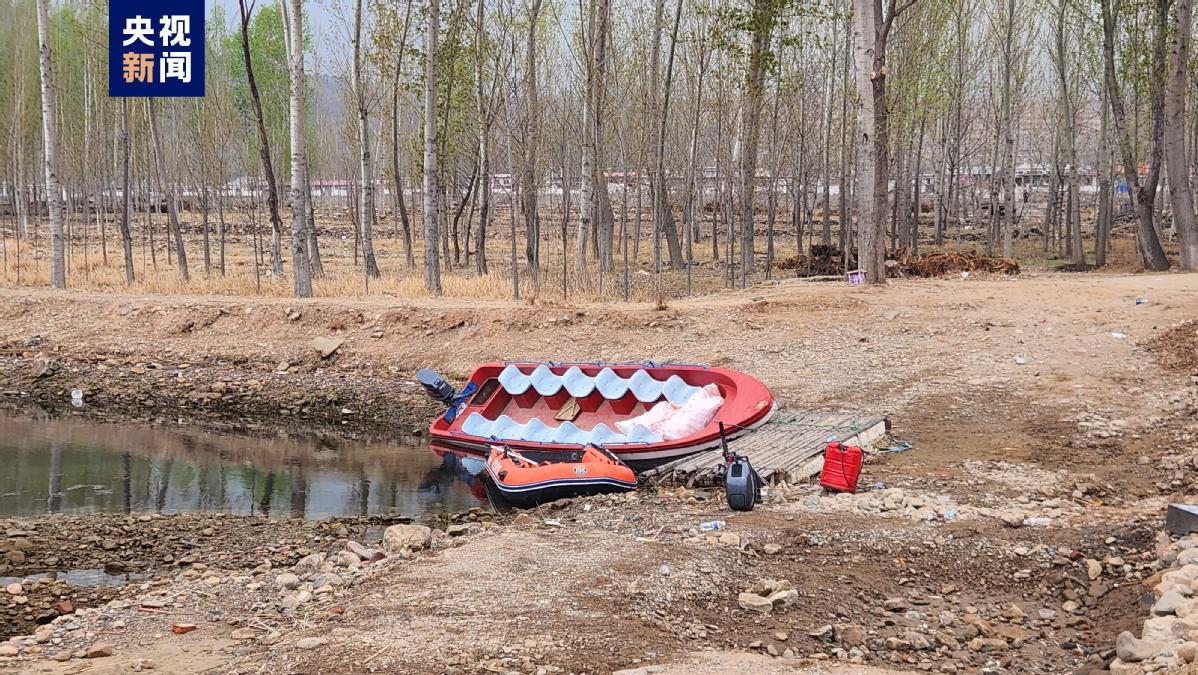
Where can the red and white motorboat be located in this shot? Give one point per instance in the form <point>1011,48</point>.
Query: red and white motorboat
<point>643,413</point>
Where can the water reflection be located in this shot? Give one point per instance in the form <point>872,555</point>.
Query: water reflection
<point>78,466</point>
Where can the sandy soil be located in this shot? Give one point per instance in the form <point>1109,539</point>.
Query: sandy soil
<point>1034,393</point>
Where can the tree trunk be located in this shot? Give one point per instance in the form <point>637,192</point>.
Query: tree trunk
<point>763,16</point>
<point>58,273</point>
<point>401,208</point>
<point>168,184</point>
<point>1180,192</point>
<point>126,238</point>
<point>301,272</point>
<point>366,219</point>
<point>870,34</point>
<point>272,187</point>
<point>432,264</point>
<point>529,178</point>
<point>1151,253</point>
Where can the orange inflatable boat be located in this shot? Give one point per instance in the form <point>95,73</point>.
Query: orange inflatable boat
<point>530,477</point>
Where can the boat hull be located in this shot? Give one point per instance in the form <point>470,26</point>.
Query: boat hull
<point>550,476</point>
<point>748,405</point>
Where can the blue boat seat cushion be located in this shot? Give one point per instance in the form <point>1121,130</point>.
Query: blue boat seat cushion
<point>507,429</point>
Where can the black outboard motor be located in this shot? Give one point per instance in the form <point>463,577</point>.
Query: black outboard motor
<point>436,386</point>
<point>742,485</point>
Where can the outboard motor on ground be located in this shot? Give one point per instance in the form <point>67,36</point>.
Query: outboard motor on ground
<point>742,485</point>
<point>441,390</point>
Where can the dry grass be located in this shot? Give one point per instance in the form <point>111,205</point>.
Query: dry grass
<point>344,277</point>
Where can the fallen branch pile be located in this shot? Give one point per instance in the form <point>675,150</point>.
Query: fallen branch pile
<point>940,263</point>
<point>822,261</point>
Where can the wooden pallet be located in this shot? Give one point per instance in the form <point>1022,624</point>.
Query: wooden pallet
<point>788,448</point>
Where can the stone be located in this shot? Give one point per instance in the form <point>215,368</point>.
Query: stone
<point>457,530</point>
<point>754,602</point>
<point>310,642</point>
<point>327,579</point>
<point>1119,667</point>
<point>896,605</point>
<point>1129,649</point>
<point>1011,518</point>
<point>772,549</point>
<point>1093,568</point>
<point>287,580</point>
<point>138,665</point>
<point>14,589</point>
<point>326,346</point>
<point>348,559</point>
<point>309,563</point>
<point>8,650</point>
<point>98,651</point>
<point>784,598</point>
<point>396,538</point>
<point>981,644</point>
<point>244,634</point>
<point>730,539</point>
<point>849,634</point>
<point>1187,651</point>
<point>1168,603</point>
<point>1164,629</point>
<point>43,635</point>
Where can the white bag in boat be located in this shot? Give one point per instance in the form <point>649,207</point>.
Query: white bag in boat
<point>694,415</point>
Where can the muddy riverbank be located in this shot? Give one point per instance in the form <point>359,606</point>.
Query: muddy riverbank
<point>1028,401</point>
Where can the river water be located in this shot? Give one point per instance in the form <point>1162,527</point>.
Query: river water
<point>75,465</point>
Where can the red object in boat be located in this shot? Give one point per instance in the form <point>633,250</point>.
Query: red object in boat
<point>842,467</point>
<point>536,477</point>
<point>530,406</point>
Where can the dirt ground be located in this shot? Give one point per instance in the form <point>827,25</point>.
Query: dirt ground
<point>1034,397</point>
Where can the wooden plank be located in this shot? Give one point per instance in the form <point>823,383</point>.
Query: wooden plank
<point>789,447</point>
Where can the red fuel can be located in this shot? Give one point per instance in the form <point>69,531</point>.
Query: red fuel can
<point>842,467</point>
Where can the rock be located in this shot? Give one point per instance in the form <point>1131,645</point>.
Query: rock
<point>981,644</point>
<point>1164,629</point>
<point>8,650</point>
<point>896,605</point>
<point>64,607</point>
<point>1093,568</point>
<point>347,559</point>
<point>1187,651</point>
<point>1168,603</point>
<point>784,598</point>
<point>1118,667</point>
<point>326,346</point>
<point>44,367</point>
<point>781,636</point>
<point>328,579</point>
<point>309,563</point>
<point>522,519</point>
<point>310,642</point>
<point>138,665</point>
<point>287,580</point>
<point>412,537</point>
<point>730,539</point>
<point>1011,518</point>
<point>849,634</point>
<point>457,530</point>
<point>823,633</point>
<point>895,644</point>
<point>755,602</point>
<point>244,634</point>
<point>98,651</point>
<point>1129,649</point>
<point>14,589</point>
<point>43,635</point>
<point>772,549</point>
